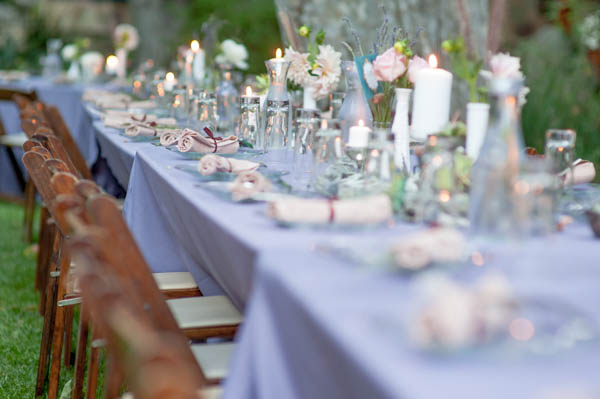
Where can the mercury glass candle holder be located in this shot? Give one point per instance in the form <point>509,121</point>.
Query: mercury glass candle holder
<point>276,132</point>
<point>249,121</point>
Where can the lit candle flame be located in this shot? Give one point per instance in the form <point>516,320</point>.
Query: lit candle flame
<point>170,76</point>
<point>248,91</point>
<point>278,53</point>
<point>112,61</point>
<point>361,123</point>
<point>433,61</point>
<point>195,45</point>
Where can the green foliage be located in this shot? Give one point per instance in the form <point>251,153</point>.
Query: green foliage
<point>564,92</point>
<point>251,22</point>
<point>466,67</point>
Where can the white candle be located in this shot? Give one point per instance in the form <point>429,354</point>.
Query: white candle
<point>170,81</point>
<point>199,61</point>
<point>112,64</point>
<point>358,136</point>
<point>477,123</point>
<point>431,101</point>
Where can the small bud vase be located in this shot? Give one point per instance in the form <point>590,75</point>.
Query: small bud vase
<point>122,67</point>
<point>400,129</point>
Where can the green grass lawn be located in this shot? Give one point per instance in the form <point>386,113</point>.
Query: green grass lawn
<point>20,321</point>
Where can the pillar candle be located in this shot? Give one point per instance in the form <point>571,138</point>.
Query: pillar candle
<point>358,136</point>
<point>431,101</point>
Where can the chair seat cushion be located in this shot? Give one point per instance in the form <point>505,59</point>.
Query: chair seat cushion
<point>13,140</point>
<point>204,311</point>
<point>214,359</point>
<point>175,281</point>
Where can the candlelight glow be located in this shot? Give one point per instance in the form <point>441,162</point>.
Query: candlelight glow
<point>112,61</point>
<point>324,124</point>
<point>170,76</point>
<point>195,45</point>
<point>278,53</point>
<point>248,91</point>
<point>433,61</point>
<point>361,123</point>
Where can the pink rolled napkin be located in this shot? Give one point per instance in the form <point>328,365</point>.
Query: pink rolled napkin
<point>247,184</point>
<point>145,129</point>
<point>169,137</point>
<point>374,209</point>
<point>419,250</point>
<point>581,173</point>
<point>210,164</point>
<point>193,141</point>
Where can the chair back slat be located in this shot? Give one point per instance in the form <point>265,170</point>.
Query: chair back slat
<point>30,125</point>
<point>62,131</point>
<point>87,189</point>
<point>29,144</point>
<point>62,182</point>
<point>56,148</point>
<point>34,163</point>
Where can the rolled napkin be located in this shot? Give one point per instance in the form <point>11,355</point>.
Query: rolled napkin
<point>373,209</point>
<point>144,129</point>
<point>122,122</point>
<point>210,164</point>
<point>247,184</point>
<point>168,138</point>
<point>455,316</point>
<point>193,141</point>
<point>419,250</point>
<point>581,173</point>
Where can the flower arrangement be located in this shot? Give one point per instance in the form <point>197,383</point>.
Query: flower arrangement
<point>590,31</point>
<point>232,54</point>
<point>73,51</point>
<point>466,66</point>
<point>381,73</point>
<point>319,68</point>
<point>125,36</point>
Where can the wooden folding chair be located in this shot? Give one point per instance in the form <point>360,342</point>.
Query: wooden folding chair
<point>10,142</point>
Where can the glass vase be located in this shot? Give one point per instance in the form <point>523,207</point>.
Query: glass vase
<point>227,106</point>
<point>249,121</point>
<point>277,132</point>
<point>354,107</point>
<point>380,153</point>
<point>492,207</point>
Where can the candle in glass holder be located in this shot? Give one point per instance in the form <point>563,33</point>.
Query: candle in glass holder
<point>112,64</point>
<point>431,101</point>
<point>358,136</point>
<point>170,81</point>
<point>198,66</point>
<point>249,121</point>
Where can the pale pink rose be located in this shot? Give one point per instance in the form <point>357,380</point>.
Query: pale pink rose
<point>415,65</point>
<point>503,65</point>
<point>389,66</point>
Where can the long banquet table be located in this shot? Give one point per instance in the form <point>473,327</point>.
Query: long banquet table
<point>317,325</point>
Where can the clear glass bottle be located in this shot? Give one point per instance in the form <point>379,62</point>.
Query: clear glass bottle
<point>354,107</point>
<point>227,102</point>
<point>492,206</point>
<point>52,62</point>
<point>277,132</point>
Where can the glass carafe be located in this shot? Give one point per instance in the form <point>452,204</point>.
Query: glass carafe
<point>276,132</point>
<point>492,207</point>
<point>354,107</point>
<point>227,102</point>
<point>52,62</point>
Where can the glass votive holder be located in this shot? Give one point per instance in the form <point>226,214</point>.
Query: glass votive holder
<point>179,105</point>
<point>336,99</point>
<point>560,149</point>
<point>249,121</point>
<point>207,110</point>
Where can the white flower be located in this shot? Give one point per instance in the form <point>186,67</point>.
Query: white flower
<point>369,74</point>
<point>503,65</point>
<point>234,54</point>
<point>69,52</point>
<point>126,36</point>
<point>328,71</point>
<point>299,67</point>
<point>522,100</point>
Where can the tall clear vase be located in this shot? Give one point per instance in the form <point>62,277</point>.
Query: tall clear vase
<point>400,130</point>
<point>355,107</point>
<point>227,102</point>
<point>277,132</point>
<point>493,197</point>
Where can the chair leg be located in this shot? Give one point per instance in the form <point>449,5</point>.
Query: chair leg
<point>44,247</point>
<point>47,331</point>
<point>57,344</point>
<point>29,210</point>
<point>68,335</point>
<point>82,339</point>
<point>114,378</point>
<point>92,382</point>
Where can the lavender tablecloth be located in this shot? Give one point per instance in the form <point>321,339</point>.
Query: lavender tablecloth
<point>68,100</point>
<point>323,328</point>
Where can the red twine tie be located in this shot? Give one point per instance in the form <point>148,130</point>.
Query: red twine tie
<point>212,136</point>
